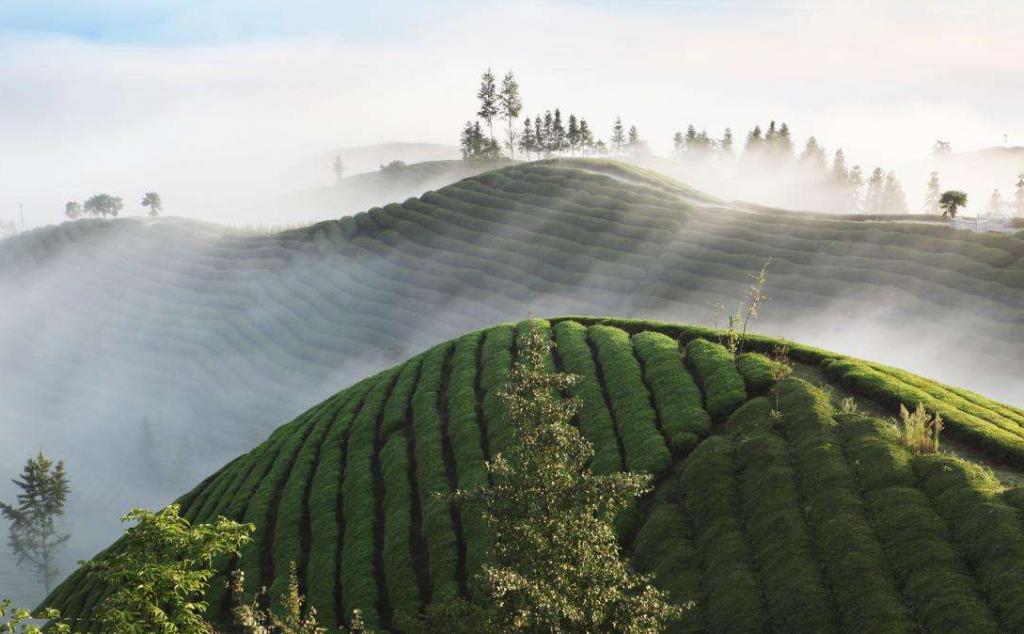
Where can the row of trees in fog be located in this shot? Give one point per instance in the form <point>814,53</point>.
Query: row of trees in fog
<point>545,135</point>
<point>104,205</point>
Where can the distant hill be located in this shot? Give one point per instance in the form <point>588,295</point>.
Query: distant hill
<point>814,519</point>
<point>211,336</point>
<point>367,158</point>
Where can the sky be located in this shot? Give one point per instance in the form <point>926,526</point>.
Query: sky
<point>219,105</point>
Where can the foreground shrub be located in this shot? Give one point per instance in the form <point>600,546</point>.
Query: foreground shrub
<point>919,432</point>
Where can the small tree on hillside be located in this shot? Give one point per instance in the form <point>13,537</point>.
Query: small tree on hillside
<point>162,570</point>
<point>103,205</point>
<point>633,143</point>
<point>725,145</point>
<point>874,197</point>
<point>558,139</point>
<point>572,134</point>
<point>510,106</point>
<point>488,96</point>
<point>894,201</point>
<point>586,136</point>
<point>813,158</point>
<point>840,173</point>
<point>152,200</point>
<point>951,202</point>
<point>932,194</point>
<point>72,209</point>
<point>558,565</point>
<point>339,168</point>
<point>1018,197</point>
<point>527,140</point>
<point>618,138</point>
<point>33,533</point>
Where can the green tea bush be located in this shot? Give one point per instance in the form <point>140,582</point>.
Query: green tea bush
<point>724,390</point>
<point>759,372</point>
<point>631,403</point>
<point>595,420</point>
<point>676,396</point>
<point>403,588</point>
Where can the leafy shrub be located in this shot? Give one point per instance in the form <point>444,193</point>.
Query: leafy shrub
<point>759,372</point>
<point>919,432</point>
<point>724,390</point>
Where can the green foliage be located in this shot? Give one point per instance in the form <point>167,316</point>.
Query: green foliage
<point>920,431</point>
<point>161,570</point>
<point>951,201</point>
<point>714,366</point>
<point>677,397</point>
<point>152,200</point>
<point>558,564</point>
<point>760,373</point>
<point>14,620</point>
<point>33,534</point>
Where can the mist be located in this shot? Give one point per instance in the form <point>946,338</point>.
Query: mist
<point>223,120</point>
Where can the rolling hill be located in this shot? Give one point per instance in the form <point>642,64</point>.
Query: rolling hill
<point>147,352</point>
<point>815,520</point>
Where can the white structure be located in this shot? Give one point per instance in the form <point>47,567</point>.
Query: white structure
<point>980,224</point>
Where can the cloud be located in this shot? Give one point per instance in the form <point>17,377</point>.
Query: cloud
<point>223,118</point>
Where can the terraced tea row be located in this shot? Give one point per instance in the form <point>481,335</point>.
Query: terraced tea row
<point>207,331</point>
<point>802,521</point>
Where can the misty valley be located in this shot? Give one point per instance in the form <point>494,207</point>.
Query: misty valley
<point>499,364</point>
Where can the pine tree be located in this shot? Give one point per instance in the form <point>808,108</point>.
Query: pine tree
<point>618,138</point>
<point>339,168</point>
<point>771,137</point>
<point>467,141</point>
<point>540,141</point>
<point>572,135</point>
<point>511,105</point>
<point>634,140</point>
<point>873,197</point>
<point>894,201</point>
<point>813,158</point>
<point>839,172</point>
<point>549,134</point>
<point>691,139</point>
<point>548,512</point>
<point>784,143</point>
<point>932,195</point>
<point>586,136</point>
<point>725,145</point>
<point>854,183</point>
<point>33,533</point>
<point>1018,196</point>
<point>488,96</point>
<point>557,132</point>
<point>754,141</point>
<point>527,141</point>
<point>678,143</point>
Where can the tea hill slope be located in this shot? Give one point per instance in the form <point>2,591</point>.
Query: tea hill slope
<point>812,520</point>
<point>147,352</point>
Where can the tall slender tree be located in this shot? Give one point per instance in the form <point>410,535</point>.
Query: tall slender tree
<point>784,142</point>
<point>678,143</point>
<point>540,139</point>
<point>488,96</point>
<point>572,134</point>
<point>932,194</point>
<point>633,143</point>
<point>813,158</point>
<point>510,105</point>
<point>1018,197</point>
<point>725,145</point>
<point>558,142</point>
<point>618,138</point>
<point>873,197</point>
<point>854,183</point>
<point>996,205</point>
<point>33,536</point>
<point>840,174</point>
<point>586,136</point>
<point>527,141</point>
<point>894,201</point>
<point>339,168</point>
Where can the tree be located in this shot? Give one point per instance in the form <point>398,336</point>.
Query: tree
<point>33,533</point>
<point>488,96</point>
<point>725,145</point>
<point>161,571</point>
<point>527,141</point>
<point>1018,196</point>
<point>942,149</point>
<point>558,566</point>
<point>873,197</point>
<point>510,106</point>
<point>72,209</point>
<point>14,620</point>
<point>678,143</point>
<point>572,135</point>
<point>813,157</point>
<point>755,142</point>
<point>557,132</point>
<point>784,142</point>
<point>549,134</point>
<point>932,194</point>
<point>618,138</point>
<point>634,141</point>
<point>152,200</point>
<point>586,136</point>
<point>8,228</point>
<point>103,205</point>
<point>854,182</point>
<point>894,201</point>
<point>339,168</point>
<point>951,201</point>
<point>996,204</point>
<point>839,172</point>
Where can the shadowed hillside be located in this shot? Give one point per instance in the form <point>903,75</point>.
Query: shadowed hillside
<point>812,520</point>
<point>207,338</point>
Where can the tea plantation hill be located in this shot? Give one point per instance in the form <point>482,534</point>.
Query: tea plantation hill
<point>816,521</point>
<point>216,336</point>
